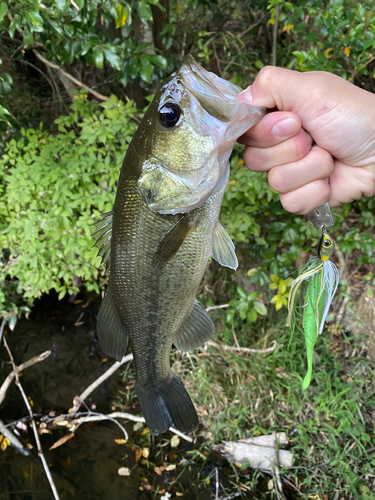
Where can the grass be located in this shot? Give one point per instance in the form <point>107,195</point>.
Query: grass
<point>330,425</point>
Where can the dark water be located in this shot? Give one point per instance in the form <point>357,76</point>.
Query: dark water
<point>86,466</point>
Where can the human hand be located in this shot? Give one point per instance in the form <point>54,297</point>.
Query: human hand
<point>338,116</point>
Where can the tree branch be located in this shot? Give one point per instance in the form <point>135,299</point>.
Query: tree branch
<point>99,96</point>
<point>78,400</point>
<point>16,370</point>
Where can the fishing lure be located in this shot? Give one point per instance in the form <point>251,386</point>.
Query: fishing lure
<point>317,284</point>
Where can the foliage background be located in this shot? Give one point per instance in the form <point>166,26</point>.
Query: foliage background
<point>75,79</point>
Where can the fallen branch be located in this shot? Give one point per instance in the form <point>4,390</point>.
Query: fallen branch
<point>50,64</point>
<point>243,349</point>
<point>65,420</point>
<point>16,370</point>
<point>14,441</point>
<point>78,400</point>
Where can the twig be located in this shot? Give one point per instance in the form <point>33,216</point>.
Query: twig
<point>18,369</point>
<point>99,96</point>
<point>217,483</point>
<point>272,347</point>
<point>64,420</point>
<point>252,26</point>
<point>2,329</point>
<point>211,308</point>
<point>78,400</point>
<point>14,441</point>
<point>36,435</point>
<point>23,61</point>
<point>274,41</point>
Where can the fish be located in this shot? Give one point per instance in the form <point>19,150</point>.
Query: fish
<point>162,230</point>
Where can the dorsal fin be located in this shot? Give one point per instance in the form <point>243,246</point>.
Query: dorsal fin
<point>103,234</point>
<point>223,249</point>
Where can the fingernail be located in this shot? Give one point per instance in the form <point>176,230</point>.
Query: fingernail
<point>245,96</point>
<point>285,127</point>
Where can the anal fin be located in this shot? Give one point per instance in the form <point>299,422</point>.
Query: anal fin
<point>112,333</point>
<point>196,330</point>
<point>223,249</point>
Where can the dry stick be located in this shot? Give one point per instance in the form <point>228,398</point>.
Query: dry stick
<point>211,308</point>
<point>78,400</point>
<point>99,96</point>
<point>243,349</point>
<point>39,446</point>
<point>64,420</point>
<point>2,329</point>
<point>19,369</point>
<point>14,441</point>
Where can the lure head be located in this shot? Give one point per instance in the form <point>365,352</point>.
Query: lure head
<point>326,247</point>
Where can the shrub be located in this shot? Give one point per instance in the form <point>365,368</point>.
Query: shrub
<point>53,187</point>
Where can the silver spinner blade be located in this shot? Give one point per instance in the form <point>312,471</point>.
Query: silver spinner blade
<point>320,217</point>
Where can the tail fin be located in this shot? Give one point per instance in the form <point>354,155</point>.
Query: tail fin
<point>167,405</point>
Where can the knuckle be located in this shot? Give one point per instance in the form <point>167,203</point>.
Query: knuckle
<point>276,180</point>
<point>292,203</point>
<point>253,159</point>
<point>266,74</point>
<point>326,161</point>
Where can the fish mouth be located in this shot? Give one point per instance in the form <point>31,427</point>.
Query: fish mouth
<point>215,95</point>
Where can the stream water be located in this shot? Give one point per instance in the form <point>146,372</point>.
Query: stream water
<point>86,466</point>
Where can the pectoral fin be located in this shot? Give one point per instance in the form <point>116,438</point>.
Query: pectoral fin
<point>196,330</point>
<point>223,249</point>
<point>172,241</point>
<point>112,334</point>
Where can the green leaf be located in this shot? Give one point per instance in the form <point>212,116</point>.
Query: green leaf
<point>113,59</point>
<point>98,57</point>
<point>146,69</point>
<point>34,20</point>
<point>241,292</point>
<point>158,61</point>
<point>252,315</point>
<point>3,10</point>
<point>282,287</point>
<point>260,308</point>
<point>144,10</point>
<point>14,25</point>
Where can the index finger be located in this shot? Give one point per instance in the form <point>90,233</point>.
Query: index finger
<point>272,129</point>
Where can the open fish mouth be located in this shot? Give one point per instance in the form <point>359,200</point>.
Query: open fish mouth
<point>215,95</point>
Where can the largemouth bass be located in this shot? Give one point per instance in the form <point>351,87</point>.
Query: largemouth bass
<point>162,230</point>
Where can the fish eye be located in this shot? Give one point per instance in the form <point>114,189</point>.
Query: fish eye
<point>169,114</point>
